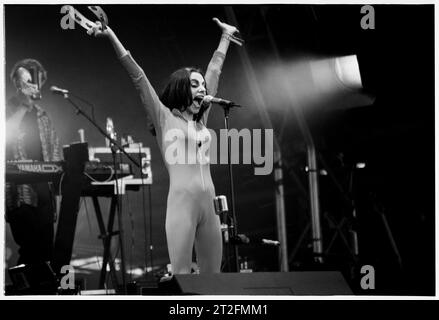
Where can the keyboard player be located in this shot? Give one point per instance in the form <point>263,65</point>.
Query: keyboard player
<point>30,208</point>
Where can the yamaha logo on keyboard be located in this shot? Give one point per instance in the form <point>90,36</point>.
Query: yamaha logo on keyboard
<point>40,167</point>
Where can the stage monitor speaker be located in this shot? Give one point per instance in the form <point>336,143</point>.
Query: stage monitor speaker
<point>259,283</point>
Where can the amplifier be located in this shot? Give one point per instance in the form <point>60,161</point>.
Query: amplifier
<point>141,154</point>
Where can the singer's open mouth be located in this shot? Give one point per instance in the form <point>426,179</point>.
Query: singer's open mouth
<point>198,100</point>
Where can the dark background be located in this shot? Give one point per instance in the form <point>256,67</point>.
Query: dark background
<point>394,136</point>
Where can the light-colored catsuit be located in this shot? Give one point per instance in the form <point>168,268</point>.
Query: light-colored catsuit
<point>190,214</point>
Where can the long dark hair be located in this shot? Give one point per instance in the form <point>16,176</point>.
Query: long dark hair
<point>177,92</point>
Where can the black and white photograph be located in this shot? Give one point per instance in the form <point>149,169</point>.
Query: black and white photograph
<point>243,149</point>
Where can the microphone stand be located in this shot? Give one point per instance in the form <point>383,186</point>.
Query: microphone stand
<point>106,135</point>
<point>114,148</point>
<point>233,223</point>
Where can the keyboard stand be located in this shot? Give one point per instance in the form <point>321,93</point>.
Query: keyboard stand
<point>106,234</point>
<point>96,191</point>
<point>107,190</point>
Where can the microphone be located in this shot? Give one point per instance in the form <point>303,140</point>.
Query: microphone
<point>57,90</point>
<point>222,102</point>
<point>243,239</point>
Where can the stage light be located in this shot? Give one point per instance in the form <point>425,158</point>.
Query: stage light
<point>336,74</point>
<point>337,83</point>
<point>311,83</point>
<point>360,165</point>
<point>348,71</point>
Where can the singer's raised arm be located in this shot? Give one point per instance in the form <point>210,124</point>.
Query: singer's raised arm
<point>148,95</point>
<point>214,68</point>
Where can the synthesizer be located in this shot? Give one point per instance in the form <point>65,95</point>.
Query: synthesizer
<point>43,171</point>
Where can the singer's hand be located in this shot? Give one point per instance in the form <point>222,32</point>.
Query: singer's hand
<point>108,33</point>
<point>98,32</point>
<point>226,28</point>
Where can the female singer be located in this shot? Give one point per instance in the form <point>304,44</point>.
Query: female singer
<point>190,215</point>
